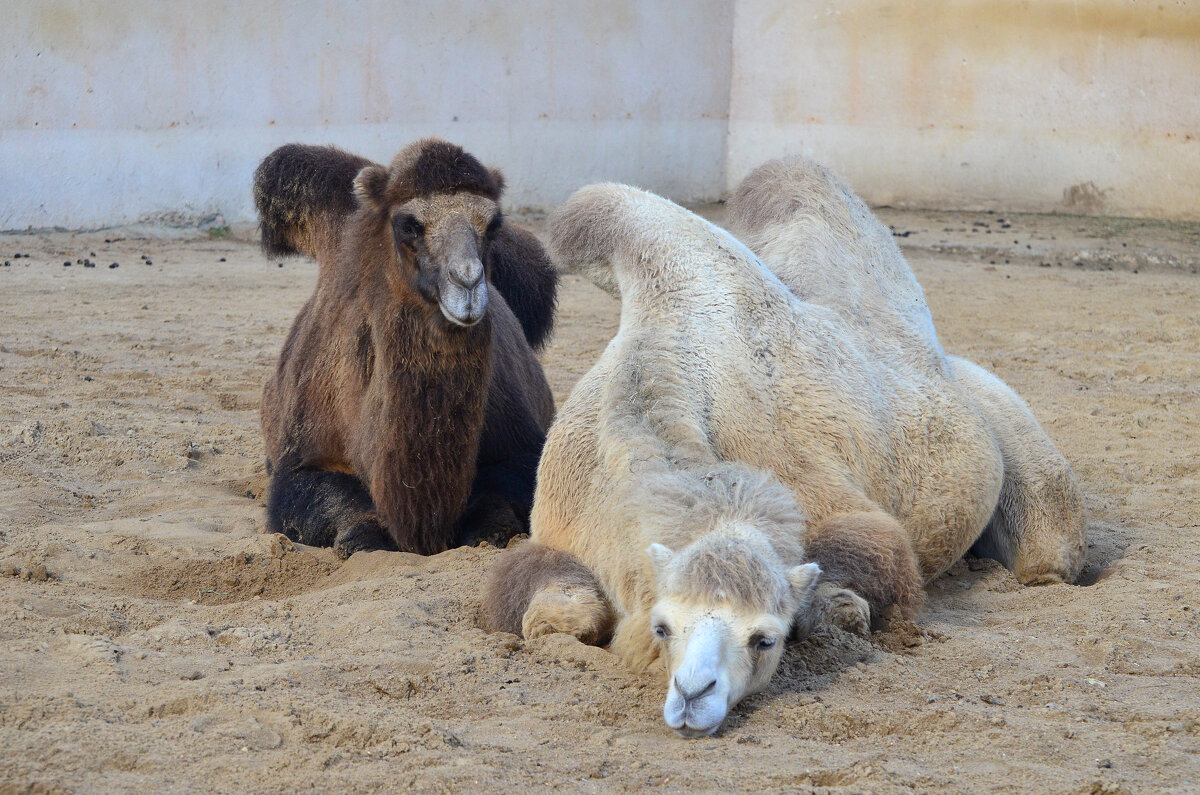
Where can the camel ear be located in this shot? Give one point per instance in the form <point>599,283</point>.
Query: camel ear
<point>370,186</point>
<point>804,582</point>
<point>496,175</point>
<point>660,558</point>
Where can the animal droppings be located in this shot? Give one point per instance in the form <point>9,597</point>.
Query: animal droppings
<point>222,259</point>
<point>67,263</point>
<point>148,262</point>
<point>115,265</point>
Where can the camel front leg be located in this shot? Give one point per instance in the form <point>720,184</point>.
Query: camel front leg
<point>324,508</point>
<point>534,590</point>
<point>868,569</point>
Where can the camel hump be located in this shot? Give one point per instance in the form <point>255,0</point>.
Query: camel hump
<point>613,233</point>
<point>523,273</point>
<point>778,190</point>
<point>303,194</point>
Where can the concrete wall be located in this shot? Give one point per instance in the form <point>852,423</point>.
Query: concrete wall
<point>114,111</point>
<point>1085,106</point>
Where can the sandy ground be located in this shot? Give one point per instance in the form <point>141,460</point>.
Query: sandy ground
<point>152,639</point>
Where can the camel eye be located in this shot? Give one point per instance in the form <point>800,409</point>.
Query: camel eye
<point>407,229</point>
<point>661,631</point>
<point>762,642</point>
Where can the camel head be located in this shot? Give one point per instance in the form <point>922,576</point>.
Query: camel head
<point>725,607</point>
<point>441,207</point>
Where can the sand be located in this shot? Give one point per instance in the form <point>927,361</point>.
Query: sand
<point>153,639</point>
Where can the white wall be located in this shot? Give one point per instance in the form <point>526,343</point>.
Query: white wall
<point>114,111</point>
<point>1046,105</point>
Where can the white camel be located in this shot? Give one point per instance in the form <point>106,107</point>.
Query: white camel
<point>748,424</point>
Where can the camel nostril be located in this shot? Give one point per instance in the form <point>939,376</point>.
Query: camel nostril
<point>468,279</point>
<point>698,693</point>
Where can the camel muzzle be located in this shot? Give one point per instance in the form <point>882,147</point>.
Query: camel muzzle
<point>463,297</point>
<point>698,696</point>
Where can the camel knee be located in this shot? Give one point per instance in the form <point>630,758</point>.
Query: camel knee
<point>316,507</point>
<point>1055,562</point>
<point>844,609</point>
<point>869,557</point>
<point>1045,523</point>
<point>533,590</point>
<point>580,611</point>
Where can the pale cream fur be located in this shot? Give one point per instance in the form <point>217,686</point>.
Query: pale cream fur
<point>736,400</point>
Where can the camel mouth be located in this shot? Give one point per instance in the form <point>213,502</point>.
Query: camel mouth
<point>690,733</point>
<point>463,306</point>
<point>697,718</point>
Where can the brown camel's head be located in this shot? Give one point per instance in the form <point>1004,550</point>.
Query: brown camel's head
<point>441,205</point>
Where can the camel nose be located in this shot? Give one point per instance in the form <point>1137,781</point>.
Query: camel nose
<point>696,692</point>
<point>467,275</point>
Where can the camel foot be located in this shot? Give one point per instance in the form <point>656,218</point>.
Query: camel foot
<point>1041,578</point>
<point>577,611</point>
<point>365,535</point>
<point>847,610</point>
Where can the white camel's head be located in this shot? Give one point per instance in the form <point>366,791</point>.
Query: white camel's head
<point>725,608</point>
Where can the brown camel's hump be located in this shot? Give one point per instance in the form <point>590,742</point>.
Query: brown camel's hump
<point>303,194</point>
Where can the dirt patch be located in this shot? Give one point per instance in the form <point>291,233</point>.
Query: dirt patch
<point>274,570</point>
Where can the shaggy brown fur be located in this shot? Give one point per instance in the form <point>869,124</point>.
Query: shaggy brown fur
<point>524,571</point>
<point>303,195</point>
<point>388,424</point>
<point>870,554</point>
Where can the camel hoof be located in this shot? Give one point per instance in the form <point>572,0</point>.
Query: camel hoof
<point>555,609</point>
<point>364,536</point>
<point>850,612</point>
<point>1044,578</point>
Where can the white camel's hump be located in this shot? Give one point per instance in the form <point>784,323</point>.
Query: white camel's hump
<point>625,239</point>
<point>824,243</point>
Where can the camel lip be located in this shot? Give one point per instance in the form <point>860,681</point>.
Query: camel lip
<point>692,733</point>
<point>457,321</point>
<point>467,307</point>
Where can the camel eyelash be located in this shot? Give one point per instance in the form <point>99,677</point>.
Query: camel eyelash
<point>407,228</point>
<point>761,642</point>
